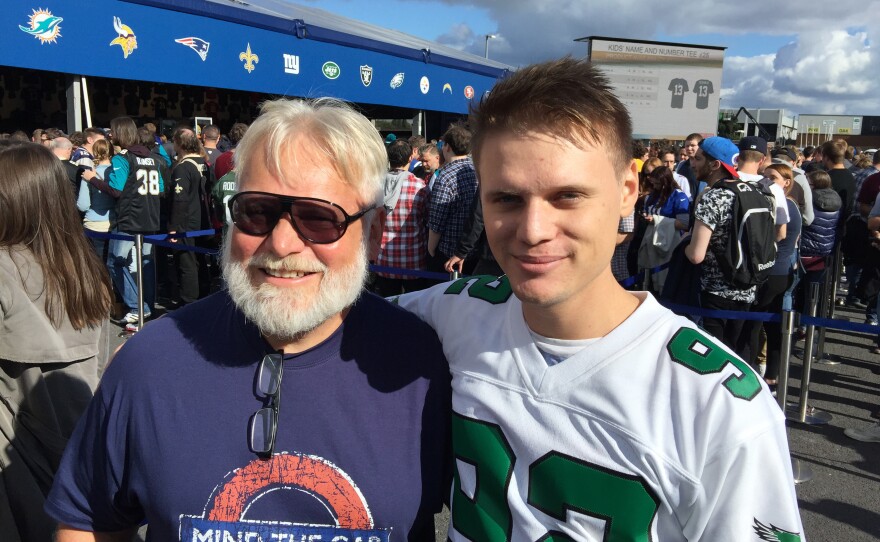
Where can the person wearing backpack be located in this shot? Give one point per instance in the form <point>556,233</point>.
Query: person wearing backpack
<point>750,164</point>
<point>187,198</point>
<point>732,265</point>
<point>819,238</point>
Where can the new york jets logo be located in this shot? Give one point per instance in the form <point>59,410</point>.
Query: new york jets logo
<point>330,70</point>
<point>397,80</point>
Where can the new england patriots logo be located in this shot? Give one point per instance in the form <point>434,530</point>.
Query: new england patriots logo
<point>198,45</point>
<point>772,533</point>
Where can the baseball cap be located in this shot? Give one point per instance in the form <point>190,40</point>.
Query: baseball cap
<point>390,138</point>
<point>753,143</point>
<point>723,150</point>
<point>784,151</point>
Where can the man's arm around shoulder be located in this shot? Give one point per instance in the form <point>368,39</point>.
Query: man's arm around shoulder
<point>66,533</point>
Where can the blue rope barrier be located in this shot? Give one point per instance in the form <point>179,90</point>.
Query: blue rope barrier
<point>630,281</point>
<point>161,239</point>
<point>842,325</point>
<point>828,323</point>
<point>150,238</point>
<point>728,315</point>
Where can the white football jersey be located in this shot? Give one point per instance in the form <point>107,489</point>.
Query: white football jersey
<point>655,432</point>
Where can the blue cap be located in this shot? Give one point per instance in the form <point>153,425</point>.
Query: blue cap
<point>390,138</point>
<point>723,150</point>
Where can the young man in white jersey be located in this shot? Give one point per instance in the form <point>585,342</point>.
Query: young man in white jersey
<point>583,411</point>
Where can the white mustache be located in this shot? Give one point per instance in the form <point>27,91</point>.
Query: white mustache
<point>291,263</point>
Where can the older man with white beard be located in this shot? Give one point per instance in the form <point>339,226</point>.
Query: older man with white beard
<point>188,430</point>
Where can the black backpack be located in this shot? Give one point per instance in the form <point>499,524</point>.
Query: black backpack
<point>751,250</point>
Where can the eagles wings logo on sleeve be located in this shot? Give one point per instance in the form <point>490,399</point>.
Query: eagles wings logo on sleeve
<point>772,533</point>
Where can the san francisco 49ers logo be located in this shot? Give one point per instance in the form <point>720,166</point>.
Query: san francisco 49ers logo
<point>225,513</point>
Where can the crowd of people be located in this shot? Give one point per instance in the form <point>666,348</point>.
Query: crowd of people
<point>557,222</point>
<point>821,202</point>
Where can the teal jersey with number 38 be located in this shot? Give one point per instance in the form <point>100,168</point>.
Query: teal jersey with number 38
<point>654,432</point>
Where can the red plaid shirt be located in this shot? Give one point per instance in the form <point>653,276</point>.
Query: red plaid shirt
<point>405,239</point>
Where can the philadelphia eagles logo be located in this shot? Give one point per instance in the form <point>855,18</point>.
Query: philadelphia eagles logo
<point>773,533</point>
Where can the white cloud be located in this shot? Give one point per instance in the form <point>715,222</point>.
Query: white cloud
<point>829,67</point>
<point>460,36</point>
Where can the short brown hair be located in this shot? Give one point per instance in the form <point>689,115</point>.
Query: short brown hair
<point>750,156</point>
<point>568,98</point>
<point>211,132</point>
<point>458,137</point>
<point>819,179</point>
<point>237,132</point>
<point>833,152</point>
<point>185,139</point>
<point>398,153</point>
<point>429,148</point>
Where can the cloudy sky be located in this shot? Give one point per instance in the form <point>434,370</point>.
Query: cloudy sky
<point>810,56</point>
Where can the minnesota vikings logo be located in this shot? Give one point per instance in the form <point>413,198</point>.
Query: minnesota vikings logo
<point>126,39</point>
<point>44,26</point>
<point>249,59</point>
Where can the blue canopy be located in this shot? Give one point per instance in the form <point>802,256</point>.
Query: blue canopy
<point>266,46</point>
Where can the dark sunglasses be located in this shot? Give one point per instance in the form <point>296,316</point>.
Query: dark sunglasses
<point>264,422</point>
<point>315,220</point>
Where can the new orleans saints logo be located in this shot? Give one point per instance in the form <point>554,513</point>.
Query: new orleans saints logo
<point>249,59</point>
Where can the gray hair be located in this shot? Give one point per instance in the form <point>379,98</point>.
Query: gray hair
<point>60,143</point>
<point>345,136</point>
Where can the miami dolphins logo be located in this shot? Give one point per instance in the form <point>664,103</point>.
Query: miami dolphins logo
<point>224,517</point>
<point>126,38</point>
<point>772,533</point>
<point>44,26</point>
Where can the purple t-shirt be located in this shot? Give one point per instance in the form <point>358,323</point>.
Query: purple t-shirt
<point>362,444</point>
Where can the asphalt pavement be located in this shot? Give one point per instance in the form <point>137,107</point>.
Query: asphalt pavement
<point>842,499</point>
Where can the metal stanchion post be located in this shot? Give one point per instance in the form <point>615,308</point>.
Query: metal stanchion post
<point>801,471</point>
<point>834,280</point>
<point>139,257</point>
<point>806,414</point>
<point>784,359</point>
<point>826,310</point>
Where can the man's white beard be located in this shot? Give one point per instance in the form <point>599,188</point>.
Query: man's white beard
<point>290,313</point>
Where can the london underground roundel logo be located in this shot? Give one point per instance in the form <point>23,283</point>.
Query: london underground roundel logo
<point>225,513</point>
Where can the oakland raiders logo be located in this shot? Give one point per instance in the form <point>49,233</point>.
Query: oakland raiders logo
<point>366,75</point>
